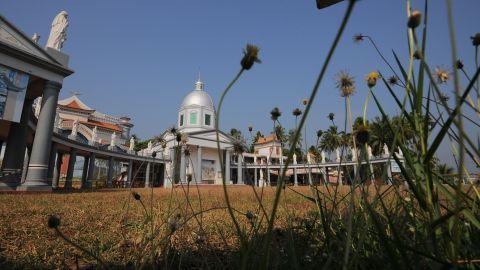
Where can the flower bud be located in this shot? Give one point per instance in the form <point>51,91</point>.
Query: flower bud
<point>414,19</point>
<point>476,40</point>
<point>53,221</point>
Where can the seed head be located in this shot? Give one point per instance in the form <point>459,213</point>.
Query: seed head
<point>345,83</point>
<point>459,64</point>
<point>417,55</point>
<point>250,215</point>
<point>250,56</point>
<point>178,137</point>
<point>136,196</point>
<point>304,102</point>
<point>414,19</point>
<point>444,97</point>
<point>173,130</point>
<point>476,40</point>
<point>319,133</point>
<point>393,80</point>
<point>357,38</point>
<point>372,78</point>
<point>362,134</point>
<point>53,221</point>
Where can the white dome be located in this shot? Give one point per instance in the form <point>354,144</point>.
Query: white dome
<point>198,98</point>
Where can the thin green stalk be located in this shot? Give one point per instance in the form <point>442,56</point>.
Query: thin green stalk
<point>266,247</point>
<point>220,156</point>
<point>365,105</point>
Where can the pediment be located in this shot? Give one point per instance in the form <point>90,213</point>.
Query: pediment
<point>15,38</point>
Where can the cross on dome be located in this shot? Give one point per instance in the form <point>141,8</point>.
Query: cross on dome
<point>199,84</point>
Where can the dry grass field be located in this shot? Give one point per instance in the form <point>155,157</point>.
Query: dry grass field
<point>113,225</point>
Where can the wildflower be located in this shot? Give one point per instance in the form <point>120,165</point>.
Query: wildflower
<point>393,80</point>
<point>414,19</point>
<point>275,114</point>
<point>372,78</point>
<point>304,102</point>
<point>297,112</point>
<point>136,196</point>
<point>250,128</point>
<point>331,116</point>
<point>459,64</point>
<point>362,134</point>
<point>345,83</point>
<point>53,221</point>
<point>250,56</point>
<point>476,40</point>
<point>358,38</point>
<point>442,75</point>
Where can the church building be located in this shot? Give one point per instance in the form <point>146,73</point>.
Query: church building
<point>196,159</point>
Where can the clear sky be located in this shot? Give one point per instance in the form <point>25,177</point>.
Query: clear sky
<point>140,58</point>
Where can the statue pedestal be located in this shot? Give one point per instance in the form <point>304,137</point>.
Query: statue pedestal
<point>58,55</point>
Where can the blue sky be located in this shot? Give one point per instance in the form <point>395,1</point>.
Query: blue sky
<point>139,58</point>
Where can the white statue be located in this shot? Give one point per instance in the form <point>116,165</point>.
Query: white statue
<point>323,156</point>
<point>58,33</point>
<point>36,38</point>
<point>113,138</point>
<point>132,144</point>
<point>354,153</point>
<point>261,175</point>
<point>309,158</point>
<point>399,153</point>
<point>369,151</point>
<point>60,123</point>
<point>94,134</point>
<point>75,127</point>
<point>294,158</point>
<point>149,145</point>
<point>337,151</point>
<point>386,153</point>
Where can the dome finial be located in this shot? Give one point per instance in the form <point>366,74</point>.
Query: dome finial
<point>199,83</point>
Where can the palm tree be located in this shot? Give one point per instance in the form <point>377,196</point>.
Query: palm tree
<point>297,112</point>
<point>331,140</point>
<point>319,135</point>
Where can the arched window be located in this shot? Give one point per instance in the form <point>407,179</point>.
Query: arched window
<point>193,118</point>
<point>208,119</point>
<point>181,120</point>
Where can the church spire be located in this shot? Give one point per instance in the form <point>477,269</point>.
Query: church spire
<point>199,84</point>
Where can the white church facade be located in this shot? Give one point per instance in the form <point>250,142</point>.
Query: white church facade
<point>196,158</point>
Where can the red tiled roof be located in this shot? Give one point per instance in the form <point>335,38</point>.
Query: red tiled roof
<point>267,139</point>
<point>74,105</point>
<point>103,125</point>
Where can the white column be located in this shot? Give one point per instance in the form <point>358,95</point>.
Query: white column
<point>147,175</point>
<point>295,178</point>
<point>198,170</point>
<point>227,166</point>
<point>183,179</point>
<point>239,169</point>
